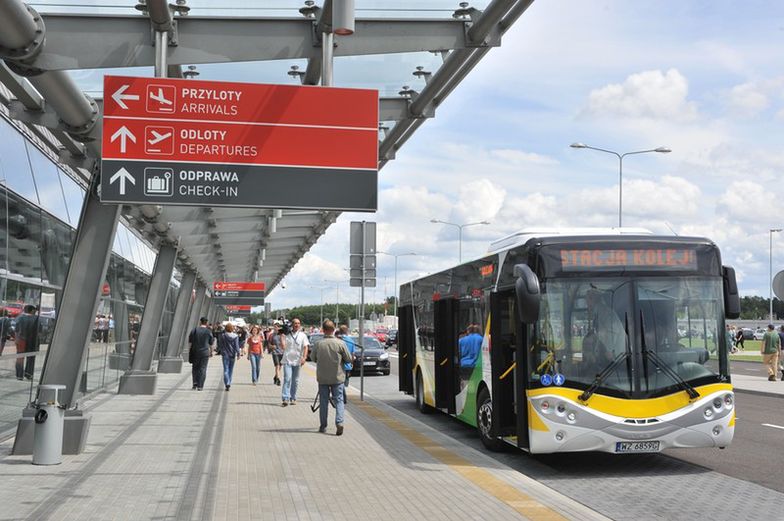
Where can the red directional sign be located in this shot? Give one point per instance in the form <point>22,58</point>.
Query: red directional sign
<point>174,141</point>
<point>239,292</point>
<point>239,286</point>
<point>238,308</point>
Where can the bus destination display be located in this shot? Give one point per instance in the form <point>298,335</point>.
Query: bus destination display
<point>642,258</point>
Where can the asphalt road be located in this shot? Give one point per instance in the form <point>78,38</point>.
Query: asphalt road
<point>755,455</point>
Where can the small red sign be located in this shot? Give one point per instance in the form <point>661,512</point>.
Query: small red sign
<point>238,308</point>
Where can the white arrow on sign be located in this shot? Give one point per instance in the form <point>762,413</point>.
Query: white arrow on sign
<point>118,97</point>
<point>124,134</point>
<point>123,175</point>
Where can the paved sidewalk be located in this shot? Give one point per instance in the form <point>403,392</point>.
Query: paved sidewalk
<point>758,384</point>
<point>185,455</point>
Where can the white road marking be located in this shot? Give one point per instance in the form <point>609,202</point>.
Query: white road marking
<point>774,426</point>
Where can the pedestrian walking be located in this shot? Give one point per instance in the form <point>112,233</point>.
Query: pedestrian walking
<point>330,355</point>
<point>201,341</point>
<point>229,348</point>
<point>739,340</point>
<point>771,344</point>
<point>294,356</point>
<point>6,329</point>
<point>255,344</point>
<point>26,341</point>
<point>343,334</point>
<point>781,352</point>
<point>275,343</point>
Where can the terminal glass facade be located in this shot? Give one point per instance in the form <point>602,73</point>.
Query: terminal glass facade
<point>40,205</point>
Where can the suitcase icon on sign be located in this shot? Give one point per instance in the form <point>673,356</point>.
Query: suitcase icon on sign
<point>159,182</point>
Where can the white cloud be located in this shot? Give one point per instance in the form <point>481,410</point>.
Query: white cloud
<point>752,98</point>
<point>649,94</point>
<point>747,201</point>
<point>518,157</point>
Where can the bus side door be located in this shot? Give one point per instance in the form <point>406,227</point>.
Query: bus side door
<point>504,335</point>
<point>446,353</point>
<point>406,346</point>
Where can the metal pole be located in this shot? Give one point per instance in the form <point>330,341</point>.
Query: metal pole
<point>460,244</point>
<point>362,321</point>
<point>770,274</point>
<point>322,307</point>
<point>620,191</point>
<point>161,48</point>
<point>326,59</point>
<point>337,303</point>
<point>397,294</point>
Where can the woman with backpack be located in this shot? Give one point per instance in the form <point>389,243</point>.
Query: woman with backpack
<point>229,348</point>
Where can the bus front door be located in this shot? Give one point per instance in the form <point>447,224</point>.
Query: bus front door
<point>504,337</point>
<point>446,354</point>
<point>406,347</point>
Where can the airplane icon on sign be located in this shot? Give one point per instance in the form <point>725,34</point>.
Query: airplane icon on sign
<point>159,140</point>
<point>161,98</point>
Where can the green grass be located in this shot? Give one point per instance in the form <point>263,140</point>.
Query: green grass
<point>746,357</point>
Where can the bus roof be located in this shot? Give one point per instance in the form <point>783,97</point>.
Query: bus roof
<point>526,234</point>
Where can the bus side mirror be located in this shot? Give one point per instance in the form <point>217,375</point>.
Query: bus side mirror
<point>527,292</point>
<point>731,296</point>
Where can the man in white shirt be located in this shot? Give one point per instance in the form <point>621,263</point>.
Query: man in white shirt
<point>295,352</point>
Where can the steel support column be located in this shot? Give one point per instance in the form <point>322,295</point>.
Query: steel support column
<point>75,318</point>
<point>171,363</point>
<point>141,379</point>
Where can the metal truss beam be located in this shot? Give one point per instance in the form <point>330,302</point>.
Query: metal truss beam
<point>81,41</point>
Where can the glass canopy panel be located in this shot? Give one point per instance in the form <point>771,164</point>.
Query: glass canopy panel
<point>272,8</point>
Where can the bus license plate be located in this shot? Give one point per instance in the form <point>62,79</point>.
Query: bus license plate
<point>636,446</point>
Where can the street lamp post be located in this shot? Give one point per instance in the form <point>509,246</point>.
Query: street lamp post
<point>661,150</point>
<point>396,255</point>
<point>321,289</point>
<point>770,277</point>
<point>459,233</point>
<point>337,300</point>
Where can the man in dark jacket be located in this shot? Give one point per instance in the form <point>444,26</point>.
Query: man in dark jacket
<point>26,341</point>
<point>201,341</point>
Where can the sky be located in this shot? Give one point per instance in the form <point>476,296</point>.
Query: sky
<point>702,78</point>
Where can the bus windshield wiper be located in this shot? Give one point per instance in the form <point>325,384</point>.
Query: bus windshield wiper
<point>663,367</point>
<point>607,371</point>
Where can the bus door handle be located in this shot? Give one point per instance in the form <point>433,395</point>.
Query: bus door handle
<point>444,361</point>
<point>506,373</point>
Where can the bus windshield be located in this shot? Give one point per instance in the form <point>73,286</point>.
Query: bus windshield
<point>663,332</point>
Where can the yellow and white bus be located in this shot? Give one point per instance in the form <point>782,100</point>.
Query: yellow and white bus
<point>577,340</point>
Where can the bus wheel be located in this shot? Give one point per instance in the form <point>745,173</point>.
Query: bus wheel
<point>484,422</point>
<point>423,407</point>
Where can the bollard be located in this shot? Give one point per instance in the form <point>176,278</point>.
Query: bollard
<point>49,420</point>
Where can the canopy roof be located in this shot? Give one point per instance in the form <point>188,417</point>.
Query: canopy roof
<point>413,52</point>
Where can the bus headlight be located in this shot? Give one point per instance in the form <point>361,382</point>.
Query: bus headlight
<point>708,412</point>
<point>728,400</point>
<point>717,403</point>
<point>545,406</point>
<point>561,408</point>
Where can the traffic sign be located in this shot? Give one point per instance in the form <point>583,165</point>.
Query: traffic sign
<point>238,310</point>
<point>219,142</point>
<point>239,292</point>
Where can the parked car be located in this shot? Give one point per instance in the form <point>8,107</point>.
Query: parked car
<point>392,338</point>
<point>758,334</point>
<point>376,358</point>
<point>14,309</point>
<point>748,334</point>
<point>381,334</point>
